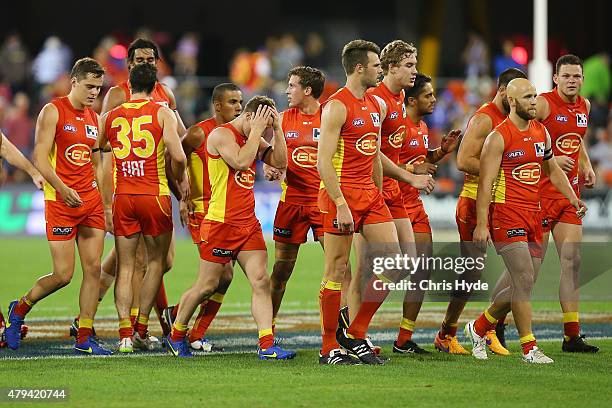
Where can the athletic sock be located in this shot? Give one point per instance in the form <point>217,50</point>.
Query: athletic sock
<point>179,331</point>
<point>528,342</point>
<point>266,339</point>
<point>126,329</point>
<point>161,302</point>
<point>206,316</point>
<point>142,325</point>
<point>23,306</point>
<point>85,330</point>
<point>484,323</point>
<point>329,301</point>
<point>447,329</point>
<point>134,315</point>
<point>405,331</point>
<point>571,325</point>
<point>372,299</point>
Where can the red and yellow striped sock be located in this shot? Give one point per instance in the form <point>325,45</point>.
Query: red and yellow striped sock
<point>85,330</point>
<point>179,331</point>
<point>266,339</point>
<point>23,306</point>
<point>405,331</point>
<point>528,342</point>
<point>142,325</point>
<point>329,301</point>
<point>207,315</point>
<point>571,325</point>
<point>126,329</point>
<point>134,315</point>
<point>374,295</point>
<point>484,323</point>
<point>447,329</point>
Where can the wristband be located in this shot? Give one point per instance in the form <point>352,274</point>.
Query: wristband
<point>409,167</point>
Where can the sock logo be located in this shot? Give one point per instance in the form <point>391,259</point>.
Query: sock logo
<point>61,230</point>
<point>223,253</point>
<point>516,232</point>
<point>282,232</point>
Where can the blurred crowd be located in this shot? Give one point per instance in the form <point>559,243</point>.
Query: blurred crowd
<point>30,78</point>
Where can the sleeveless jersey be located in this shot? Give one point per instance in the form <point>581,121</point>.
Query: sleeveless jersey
<point>198,169</point>
<point>158,95</point>
<point>414,151</point>
<point>566,125</point>
<point>136,138</point>
<point>76,133</point>
<point>232,200</point>
<point>517,183</point>
<point>470,182</point>
<point>302,137</point>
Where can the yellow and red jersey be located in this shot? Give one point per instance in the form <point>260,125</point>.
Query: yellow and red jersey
<point>517,183</point>
<point>232,200</point>
<point>136,138</point>
<point>198,169</point>
<point>470,182</point>
<point>414,151</point>
<point>302,179</point>
<point>566,124</point>
<point>158,95</point>
<point>393,127</point>
<point>358,141</point>
<point>76,133</point>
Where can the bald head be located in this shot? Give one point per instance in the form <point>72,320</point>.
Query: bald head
<point>521,96</point>
<point>518,87</point>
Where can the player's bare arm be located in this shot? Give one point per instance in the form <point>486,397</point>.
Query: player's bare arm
<point>113,98</point>
<point>448,144</point>
<point>172,141</point>
<point>45,135</point>
<point>15,158</point>
<point>96,161</point>
<point>277,155</point>
<point>105,183</point>
<point>491,157</point>
<point>468,156</point>
<point>586,168</point>
<point>377,169</point>
<point>180,126</point>
<point>421,182</point>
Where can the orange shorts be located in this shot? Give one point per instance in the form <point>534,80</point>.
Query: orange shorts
<point>220,242</point>
<point>465,216</point>
<point>147,214</point>
<point>367,207</point>
<point>508,224</point>
<point>63,221</point>
<point>419,219</point>
<point>557,210</point>
<point>395,203</point>
<point>292,222</point>
<point>195,220</point>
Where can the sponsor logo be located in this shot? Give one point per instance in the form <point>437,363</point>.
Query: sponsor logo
<point>574,180</point>
<point>516,232</point>
<point>78,154</point>
<point>515,153</point>
<point>540,148</point>
<point>61,230</point>
<point>581,120</point>
<point>568,143</point>
<point>526,139</point>
<point>94,184</point>
<point>358,122</point>
<point>305,156</point>
<point>80,119</point>
<point>393,115</point>
<point>375,119</point>
<point>245,179</point>
<point>282,232</point>
<point>397,138</point>
<point>316,134</point>
<point>223,253</point>
<point>91,132</point>
<point>426,141</point>
<point>528,173</point>
<point>69,128</point>
<point>561,118</point>
<point>367,144</point>
<point>292,134</point>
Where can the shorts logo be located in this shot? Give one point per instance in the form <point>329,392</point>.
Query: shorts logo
<point>393,115</point>
<point>316,134</point>
<point>292,134</point>
<point>70,128</point>
<point>528,173</point>
<point>282,232</point>
<point>568,143</point>
<point>516,232</point>
<point>581,120</point>
<point>78,154</point>
<point>561,118</point>
<point>540,148</point>
<point>358,122</point>
<point>367,144</point>
<point>397,138</point>
<point>575,181</point>
<point>91,132</point>
<point>305,156</point>
<point>515,153</point>
<point>375,119</point>
<point>223,253</point>
<point>61,231</point>
<point>245,179</point>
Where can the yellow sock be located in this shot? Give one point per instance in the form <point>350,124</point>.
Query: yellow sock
<point>134,312</point>
<point>407,324</point>
<point>85,323</point>
<point>217,297</point>
<point>179,327</point>
<point>125,323</point>
<point>527,338</point>
<point>490,318</point>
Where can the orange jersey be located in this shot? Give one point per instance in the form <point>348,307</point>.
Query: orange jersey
<point>135,135</point>
<point>414,151</point>
<point>302,137</point>
<point>232,200</point>
<point>470,182</point>
<point>517,183</point>
<point>158,95</point>
<point>198,169</point>
<point>76,133</point>
<point>393,128</point>
<point>358,141</point>
<point>566,125</point>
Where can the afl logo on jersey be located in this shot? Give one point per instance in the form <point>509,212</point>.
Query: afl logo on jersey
<point>305,156</point>
<point>358,122</point>
<point>568,143</point>
<point>397,138</point>
<point>528,173</point>
<point>78,154</point>
<point>69,128</point>
<point>367,144</point>
<point>245,179</point>
<point>292,134</point>
<point>393,115</point>
<point>515,154</point>
<point>561,118</point>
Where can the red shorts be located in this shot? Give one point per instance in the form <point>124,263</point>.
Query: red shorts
<point>220,242</point>
<point>509,224</point>
<point>63,221</point>
<point>195,220</point>
<point>465,216</point>
<point>557,210</point>
<point>367,207</point>
<point>292,222</point>
<point>395,203</point>
<point>419,219</point>
<point>147,214</point>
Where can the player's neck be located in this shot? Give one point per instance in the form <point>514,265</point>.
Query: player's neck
<point>75,103</point>
<point>566,98</point>
<point>519,122</point>
<point>413,115</point>
<point>238,124</point>
<point>392,85</point>
<point>309,106</point>
<point>497,101</point>
<point>354,85</point>
<point>139,95</point>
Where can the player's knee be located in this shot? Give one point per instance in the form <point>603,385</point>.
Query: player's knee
<point>282,270</point>
<point>570,260</point>
<point>168,263</point>
<point>260,281</point>
<point>523,284</point>
<point>63,279</point>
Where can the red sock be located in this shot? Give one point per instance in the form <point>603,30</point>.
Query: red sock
<point>83,333</point>
<point>266,339</point>
<point>329,301</point>
<point>206,316</point>
<point>527,346</point>
<point>178,334</point>
<point>126,329</point>
<point>372,299</point>
<point>482,325</point>
<point>447,330</point>
<point>161,302</point>
<point>405,331</point>
<point>23,307</point>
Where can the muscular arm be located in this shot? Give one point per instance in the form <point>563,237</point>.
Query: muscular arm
<point>106,183</point>
<point>542,108</point>
<point>277,156</point>
<point>192,139</point>
<point>180,126</point>
<point>113,98</point>
<point>468,157</point>
<point>491,157</point>
<point>332,119</point>
<point>167,120</point>
<point>45,136</point>
<point>17,159</point>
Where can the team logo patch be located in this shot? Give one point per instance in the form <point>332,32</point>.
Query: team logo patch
<point>568,143</point>
<point>367,144</point>
<point>581,120</point>
<point>540,147</point>
<point>528,173</point>
<point>78,154</point>
<point>426,141</point>
<point>292,134</point>
<point>516,232</point>
<point>245,179</point>
<point>515,154</point>
<point>223,253</point>
<point>375,119</point>
<point>397,138</point>
<point>69,128</point>
<point>91,132</point>
<point>61,231</point>
<point>358,122</point>
<point>316,134</point>
<point>305,156</point>
<point>282,232</point>
<point>393,115</point>
<point>561,118</point>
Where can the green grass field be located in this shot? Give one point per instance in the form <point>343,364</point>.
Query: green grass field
<point>239,379</point>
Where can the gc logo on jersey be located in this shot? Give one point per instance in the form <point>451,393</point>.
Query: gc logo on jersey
<point>540,147</point>
<point>375,119</point>
<point>91,132</point>
<point>528,173</point>
<point>568,143</point>
<point>581,120</point>
<point>305,156</point>
<point>245,179</point>
<point>397,138</point>
<point>78,154</point>
<point>367,144</point>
